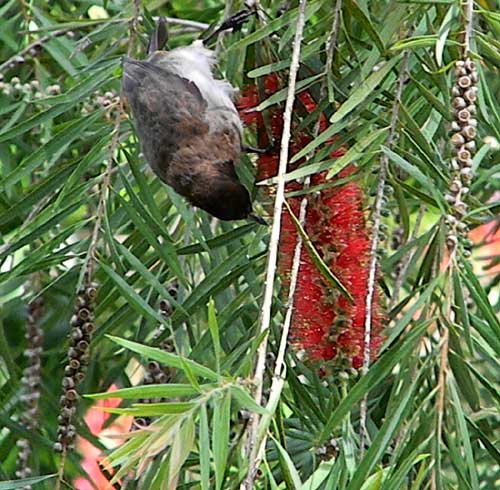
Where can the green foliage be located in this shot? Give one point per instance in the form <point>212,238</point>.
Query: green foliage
<point>71,173</point>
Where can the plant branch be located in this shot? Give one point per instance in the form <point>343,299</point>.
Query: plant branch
<point>88,266</point>
<point>377,218</point>
<point>253,448</point>
<point>405,261</point>
<point>331,43</point>
<point>278,374</point>
<point>469,14</point>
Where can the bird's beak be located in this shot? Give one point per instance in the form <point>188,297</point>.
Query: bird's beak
<point>257,219</point>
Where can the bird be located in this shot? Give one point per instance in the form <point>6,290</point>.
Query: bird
<point>188,126</point>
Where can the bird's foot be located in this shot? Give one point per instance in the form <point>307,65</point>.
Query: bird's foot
<point>235,22</point>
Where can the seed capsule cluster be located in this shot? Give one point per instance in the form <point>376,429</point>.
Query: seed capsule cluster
<point>82,327</point>
<point>328,451</point>
<point>464,129</point>
<point>30,382</point>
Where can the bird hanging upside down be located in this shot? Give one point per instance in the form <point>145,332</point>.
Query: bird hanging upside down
<point>188,126</point>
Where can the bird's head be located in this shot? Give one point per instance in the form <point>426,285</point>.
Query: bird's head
<point>227,200</point>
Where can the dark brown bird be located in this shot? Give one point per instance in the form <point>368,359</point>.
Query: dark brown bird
<point>188,126</point>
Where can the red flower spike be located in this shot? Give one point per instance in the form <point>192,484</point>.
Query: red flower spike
<point>325,325</point>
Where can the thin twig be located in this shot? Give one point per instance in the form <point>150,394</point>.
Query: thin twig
<point>331,43</point>
<point>252,448</point>
<point>443,371</point>
<point>405,260</point>
<point>373,266</point>
<point>32,45</point>
<point>199,26</point>
<point>278,375</point>
<point>468,14</point>
<point>88,266</point>
<point>196,26</point>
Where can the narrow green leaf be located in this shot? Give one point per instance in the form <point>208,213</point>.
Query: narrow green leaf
<point>150,278</point>
<point>382,440</point>
<point>12,484</point>
<point>318,261</point>
<point>288,466</point>
<point>245,400</point>
<point>220,436</point>
<point>170,390</point>
<point>376,375</point>
<point>181,447</point>
<point>276,24</point>
<point>365,89</point>
<point>165,357</point>
<point>152,409</point>
<point>214,332</point>
<point>367,24</point>
<point>135,300</point>
<point>203,448</point>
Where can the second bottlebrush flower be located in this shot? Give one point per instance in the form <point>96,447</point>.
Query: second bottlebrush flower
<point>325,324</point>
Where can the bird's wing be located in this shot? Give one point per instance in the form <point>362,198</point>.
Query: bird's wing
<point>169,110</point>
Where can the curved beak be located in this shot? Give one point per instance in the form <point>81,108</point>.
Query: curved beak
<point>257,219</point>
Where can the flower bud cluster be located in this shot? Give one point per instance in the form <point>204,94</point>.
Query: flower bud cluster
<point>30,382</point>
<point>108,100</point>
<point>464,129</point>
<point>16,90</point>
<point>82,327</point>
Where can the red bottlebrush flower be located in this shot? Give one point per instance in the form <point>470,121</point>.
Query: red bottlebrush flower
<point>325,324</point>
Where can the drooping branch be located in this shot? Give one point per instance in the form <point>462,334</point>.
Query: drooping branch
<point>258,378</point>
<point>377,219</point>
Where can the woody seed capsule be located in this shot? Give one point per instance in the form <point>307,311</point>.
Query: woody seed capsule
<point>463,155</point>
<point>470,65</point>
<point>470,95</point>
<point>459,103</point>
<point>464,82</point>
<point>71,395</point>
<point>83,314</point>
<point>471,145</point>
<point>451,240</point>
<point>463,115</point>
<point>469,132</point>
<point>455,186</point>
<point>472,109</point>
<point>74,364</point>
<point>460,208</point>
<point>91,292</point>
<point>88,328</point>
<point>457,139</point>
